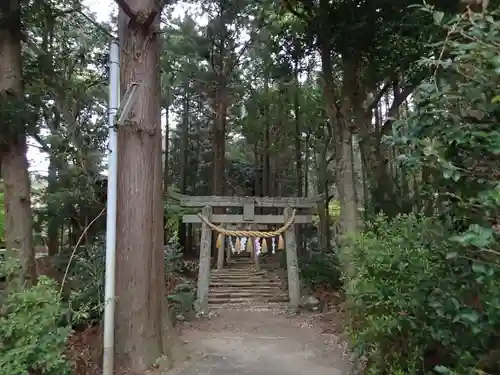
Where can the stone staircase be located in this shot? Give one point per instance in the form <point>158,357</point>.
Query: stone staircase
<point>238,285</point>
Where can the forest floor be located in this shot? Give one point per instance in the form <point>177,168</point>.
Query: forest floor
<point>249,342</point>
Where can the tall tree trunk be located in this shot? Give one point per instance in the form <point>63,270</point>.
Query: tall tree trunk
<point>266,157</point>
<point>184,161</point>
<point>219,141</point>
<point>17,186</point>
<point>298,131</point>
<point>53,217</point>
<point>322,186</point>
<point>257,189</point>
<point>298,148</point>
<point>165,154</point>
<point>345,180</point>
<point>379,179</point>
<point>306,164</point>
<point>142,323</point>
<point>343,133</point>
<point>165,171</point>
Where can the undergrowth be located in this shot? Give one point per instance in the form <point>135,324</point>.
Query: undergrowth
<point>415,309</point>
<point>33,329</point>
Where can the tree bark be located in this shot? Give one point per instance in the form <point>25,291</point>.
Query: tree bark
<point>379,179</point>
<point>266,162</point>
<point>338,116</point>
<point>141,320</point>
<point>184,161</point>
<point>165,155</point>
<point>53,219</point>
<point>298,149</point>
<point>322,188</point>
<point>219,145</point>
<point>17,185</point>
<point>298,132</point>
<point>165,172</point>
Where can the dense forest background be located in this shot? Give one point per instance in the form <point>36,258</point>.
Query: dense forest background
<point>387,109</point>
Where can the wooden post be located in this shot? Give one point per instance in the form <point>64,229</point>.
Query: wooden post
<point>220,253</point>
<point>292,262</point>
<point>228,256</point>
<point>204,270</point>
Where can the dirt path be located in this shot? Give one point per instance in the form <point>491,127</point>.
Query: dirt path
<point>261,343</point>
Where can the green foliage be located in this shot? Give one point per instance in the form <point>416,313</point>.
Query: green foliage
<point>423,293</point>
<point>173,257</point>
<point>32,337</point>
<point>18,113</point>
<point>320,269</point>
<point>181,301</point>
<point>173,215</point>
<point>453,133</point>
<point>413,307</point>
<point>182,297</point>
<point>86,283</point>
<point>2,220</point>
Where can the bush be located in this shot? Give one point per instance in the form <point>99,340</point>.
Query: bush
<point>86,284</point>
<point>413,307</point>
<point>2,220</point>
<point>181,292</point>
<point>181,301</point>
<point>174,262</point>
<point>32,337</point>
<point>320,269</point>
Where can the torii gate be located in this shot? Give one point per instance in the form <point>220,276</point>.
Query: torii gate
<point>249,219</point>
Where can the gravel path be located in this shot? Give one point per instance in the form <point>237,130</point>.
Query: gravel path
<point>261,343</point>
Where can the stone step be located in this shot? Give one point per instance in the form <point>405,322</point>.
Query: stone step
<point>255,305</point>
<point>213,300</point>
<point>249,289</point>
<point>247,280</point>
<point>244,282</point>
<point>238,270</point>
<point>252,306</point>
<point>243,275</point>
<point>235,288</point>
<point>245,293</point>
<point>245,285</point>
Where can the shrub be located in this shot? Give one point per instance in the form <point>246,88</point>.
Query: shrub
<point>181,292</point>
<point>86,284</point>
<point>181,301</point>
<point>320,269</point>
<point>32,337</point>
<point>2,220</point>
<point>413,308</point>
<point>174,262</point>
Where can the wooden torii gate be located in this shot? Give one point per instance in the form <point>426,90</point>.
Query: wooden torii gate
<point>249,220</point>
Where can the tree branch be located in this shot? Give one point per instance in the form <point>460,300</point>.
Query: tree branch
<point>398,100</point>
<point>43,145</point>
<point>289,7</point>
<point>150,19</point>
<point>126,9</point>
<point>378,96</point>
<point>139,18</point>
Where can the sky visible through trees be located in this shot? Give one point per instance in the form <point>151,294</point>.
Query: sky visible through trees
<point>103,10</point>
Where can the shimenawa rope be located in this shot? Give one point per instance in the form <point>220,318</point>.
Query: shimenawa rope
<point>249,233</point>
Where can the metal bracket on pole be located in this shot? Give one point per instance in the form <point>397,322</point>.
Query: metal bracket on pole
<point>126,103</point>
